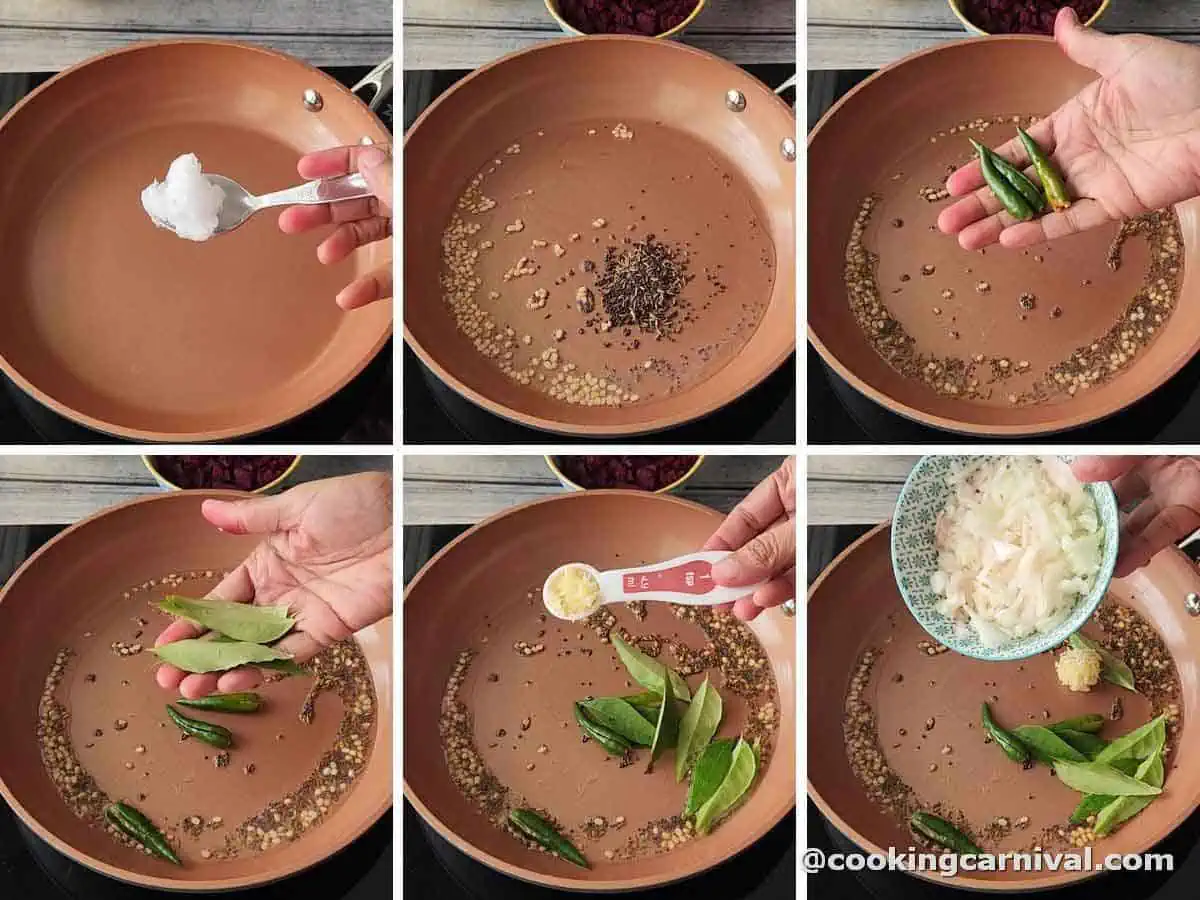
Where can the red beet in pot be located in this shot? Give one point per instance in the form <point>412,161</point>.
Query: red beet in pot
<point>645,17</point>
<point>241,473</point>
<point>1023,16</point>
<point>647,473</point>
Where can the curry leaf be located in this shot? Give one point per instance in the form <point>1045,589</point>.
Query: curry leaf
<point>1139,744</point>
<point>699,724</point>
<point>1097,778</point>
<point>649,672</point>
<point>197,655</point>
<point>240,621</point>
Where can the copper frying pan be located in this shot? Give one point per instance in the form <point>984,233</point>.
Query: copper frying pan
<point>473,594</point>
<point>855,605</point>
<point>71,594</point>
<point>124,328</point>
<point>713,172</point>
<point>889,136</point>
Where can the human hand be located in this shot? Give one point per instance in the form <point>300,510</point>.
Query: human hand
<point>359,222</point>
<point>1164,493</point>
<point>1127,144</point>
<point>326,554</point>
<point>762,531</point>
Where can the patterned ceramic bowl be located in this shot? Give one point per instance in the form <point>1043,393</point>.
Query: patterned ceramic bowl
<point>914,559</point>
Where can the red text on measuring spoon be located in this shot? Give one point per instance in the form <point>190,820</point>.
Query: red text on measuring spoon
<point>691,577</point>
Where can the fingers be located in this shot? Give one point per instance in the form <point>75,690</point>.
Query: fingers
<point>247,678</point>
<point>179,630</point>
<point>1079,216</point>
<point>259,515</point>
<point>366,289</point>
<point>349,236</point>
<point>198,685</point>
<point>979,221</point>
<point>1103,468</point>
<point>970,177</point>
<point>1167,527</point>
<point>1083,45</point>
<point>169,677</point>
<point>966,212</point>
<point>765,557</point>
<point>774,593</point>
<point>760,509</point>
<point>303,646</point>
<point>745,609</point>
<point>298,219</point>
<point>341,161</point>
<point>236,587</point>
<point>201,685</point>
<point>376,167</point>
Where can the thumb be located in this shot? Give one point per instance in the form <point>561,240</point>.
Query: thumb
<point>1103,468</point>
<point>1083,45</point>
<point>257,515</point>
<point>769,554</point>
<point>375,165</point>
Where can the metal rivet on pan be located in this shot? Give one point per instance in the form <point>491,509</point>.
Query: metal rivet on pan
<point>1192,604</point>
<point>366,140</point>
<point>735,100</point>
<point>788,149</point>
<point>313,101</point>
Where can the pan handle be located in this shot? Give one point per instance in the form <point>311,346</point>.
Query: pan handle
<point>379,78</point>
<point>789,85</point>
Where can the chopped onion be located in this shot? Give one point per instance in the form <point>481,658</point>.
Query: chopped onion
<point>1019,543</point>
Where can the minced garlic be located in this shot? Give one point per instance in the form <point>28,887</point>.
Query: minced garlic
<point>1078,668</point>
<point>572,593</point>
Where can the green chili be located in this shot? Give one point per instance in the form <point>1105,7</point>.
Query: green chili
<point>612,742</point>
<point>1091,723</point>
<point>136,826</point>
<point>1048,174</point>
<point>1031,192</point>
<point>1012,199</point>
<point>943,833</point>
<point>245,702</point>
<point>1089,745</point>
<point>537,829</point>
<point>215,735</point>
<point>1005,740</point>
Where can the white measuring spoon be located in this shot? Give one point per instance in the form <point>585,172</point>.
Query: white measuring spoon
<point>685,580</point>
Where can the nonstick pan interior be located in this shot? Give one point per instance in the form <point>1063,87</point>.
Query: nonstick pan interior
<point>855,605</point>
<point>129,330</point>
<point>72,594</point>
<point>611,81</point>
<point>891,137</point>
<point>474,595</point>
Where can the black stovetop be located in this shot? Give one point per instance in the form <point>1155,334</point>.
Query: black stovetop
<point>32,870</point>
<point>433,868</point>
<point>825,543</point>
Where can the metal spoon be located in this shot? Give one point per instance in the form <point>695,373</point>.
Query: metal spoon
<point>239,204</point>
<point>685,580</point>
